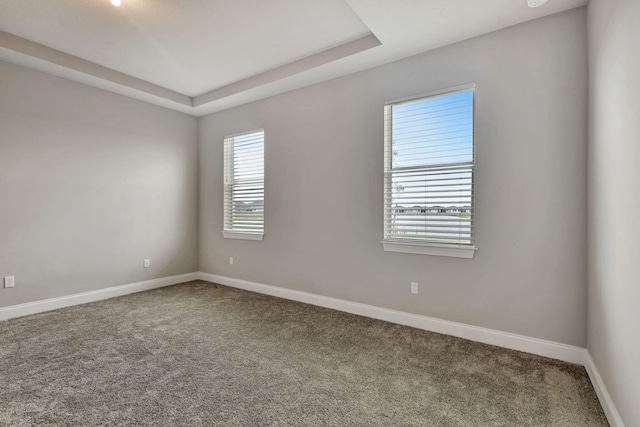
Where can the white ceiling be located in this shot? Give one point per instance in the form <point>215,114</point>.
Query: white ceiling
<point>202,56</point>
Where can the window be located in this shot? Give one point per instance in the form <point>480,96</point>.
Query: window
<point>244,186</point>
<point>428,174</point>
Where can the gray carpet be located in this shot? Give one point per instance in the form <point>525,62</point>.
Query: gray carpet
<point>199,354</point>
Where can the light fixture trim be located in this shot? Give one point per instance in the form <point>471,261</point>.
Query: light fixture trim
<point>116,3</point>
<point>536,3</point>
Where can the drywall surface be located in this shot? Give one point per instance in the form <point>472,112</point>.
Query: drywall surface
<point>614,206</point>
<point>324,186</point>
<point>91,183</point>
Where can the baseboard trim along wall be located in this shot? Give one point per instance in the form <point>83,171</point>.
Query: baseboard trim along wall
<point>508,340</point>
<point>97,295</point>
<point>610,410</point>
<point>537,346</point>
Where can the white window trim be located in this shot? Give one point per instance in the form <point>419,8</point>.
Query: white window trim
<point>227,234</point>
<point>428,248</point>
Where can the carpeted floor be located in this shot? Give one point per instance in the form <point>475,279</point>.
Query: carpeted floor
<point>199,354</point>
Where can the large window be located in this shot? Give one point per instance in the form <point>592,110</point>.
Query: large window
<point>428,173</point>
<point>244,186</point>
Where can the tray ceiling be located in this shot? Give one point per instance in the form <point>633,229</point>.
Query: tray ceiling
<point>202,56</point>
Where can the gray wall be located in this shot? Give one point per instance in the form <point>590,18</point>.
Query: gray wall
<point>614,206</point>
<point>324,185</point>
<point>90,184</point>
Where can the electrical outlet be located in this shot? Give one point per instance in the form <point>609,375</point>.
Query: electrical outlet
<point>9,281</point>
<point>231,260</point>
<point>414,287</point>
<point>146,263</point>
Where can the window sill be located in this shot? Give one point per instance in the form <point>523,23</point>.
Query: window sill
<point>437,250</point>
<point>242,236</point>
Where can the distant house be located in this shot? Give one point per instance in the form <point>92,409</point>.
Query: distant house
<point>250,206</point>
<point>418,209</point>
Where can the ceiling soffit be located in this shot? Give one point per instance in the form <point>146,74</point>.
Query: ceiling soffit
<point>210,55</point>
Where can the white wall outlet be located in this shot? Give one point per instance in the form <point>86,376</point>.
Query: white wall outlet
<point>414,287</point>
<point>231,260</point>
<point>9,281</point>
<point>146,263</point>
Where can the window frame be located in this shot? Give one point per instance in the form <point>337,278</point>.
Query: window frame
<point>455,250</point>
<point>231,233</point>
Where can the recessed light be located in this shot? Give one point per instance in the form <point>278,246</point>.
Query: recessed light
<point>116,3</point>
<point>535,3</point>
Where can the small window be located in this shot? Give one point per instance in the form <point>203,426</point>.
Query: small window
<point>428,174</point>
<point>244,186</point>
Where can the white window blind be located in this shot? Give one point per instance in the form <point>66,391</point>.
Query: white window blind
<point>428,169</point>
<point>244,185</point>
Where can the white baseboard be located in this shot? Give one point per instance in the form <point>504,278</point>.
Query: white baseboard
<point>537,346</point>
<point>610,410</point>
<point>523,343</point>
<point>84,297</point>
